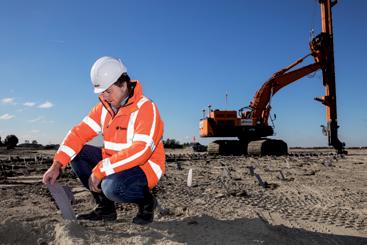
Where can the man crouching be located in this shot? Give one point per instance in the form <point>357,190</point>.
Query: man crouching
<point>132,160</point>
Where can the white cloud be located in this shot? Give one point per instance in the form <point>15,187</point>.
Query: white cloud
<point>29,104</point>
<point>6,116</point>
<point>35,131</point>
<point>37,119</point>
<point>8,101</point>
<point>46,105</point>
<point>58,41</point>
<point>40,119</point>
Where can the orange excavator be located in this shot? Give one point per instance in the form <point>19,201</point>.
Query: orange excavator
<point>250,124</point>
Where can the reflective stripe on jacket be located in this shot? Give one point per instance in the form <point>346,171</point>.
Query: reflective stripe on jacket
<point>132,137</point>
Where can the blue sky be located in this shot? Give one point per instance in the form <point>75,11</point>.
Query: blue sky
<point>187,54</point>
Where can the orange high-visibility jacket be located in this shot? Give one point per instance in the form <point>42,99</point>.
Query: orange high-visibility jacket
<point>132,137</point>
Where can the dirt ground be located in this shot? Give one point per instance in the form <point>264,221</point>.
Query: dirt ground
<point>308,197</point>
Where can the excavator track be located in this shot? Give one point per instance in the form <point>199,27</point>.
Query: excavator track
<point>257,147</point>
<point>267,147</point>
<point>227,147</point>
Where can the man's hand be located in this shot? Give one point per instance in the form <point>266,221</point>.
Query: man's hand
<point>52,173</point>
<point>93,183</point>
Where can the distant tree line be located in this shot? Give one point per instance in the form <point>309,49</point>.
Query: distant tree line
<point>175,144</point>
<point>11,141</point>
<point>172,144</point>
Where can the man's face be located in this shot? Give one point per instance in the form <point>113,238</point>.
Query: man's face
<point>114,94</point>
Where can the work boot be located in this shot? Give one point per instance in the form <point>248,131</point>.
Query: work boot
<point>104,210</point>
<point>99,213</point>
<point>145,214</point>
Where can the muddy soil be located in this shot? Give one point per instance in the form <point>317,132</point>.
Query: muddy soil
<point>308,197</point>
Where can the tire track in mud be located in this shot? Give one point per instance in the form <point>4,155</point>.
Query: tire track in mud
<point>307,211</point>
<point>231,197</point>
<point>293,212</point>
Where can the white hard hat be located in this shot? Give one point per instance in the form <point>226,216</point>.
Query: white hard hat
<point>105,71</point>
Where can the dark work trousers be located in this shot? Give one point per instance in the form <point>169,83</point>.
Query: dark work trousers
<point>129,186</point>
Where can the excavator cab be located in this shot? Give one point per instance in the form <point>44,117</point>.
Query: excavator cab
<point>246,112</point>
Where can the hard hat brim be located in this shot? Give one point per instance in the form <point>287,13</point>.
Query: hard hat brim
<point>99,90</point>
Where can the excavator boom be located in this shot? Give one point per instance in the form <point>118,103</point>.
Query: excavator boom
<point>260,102</point>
